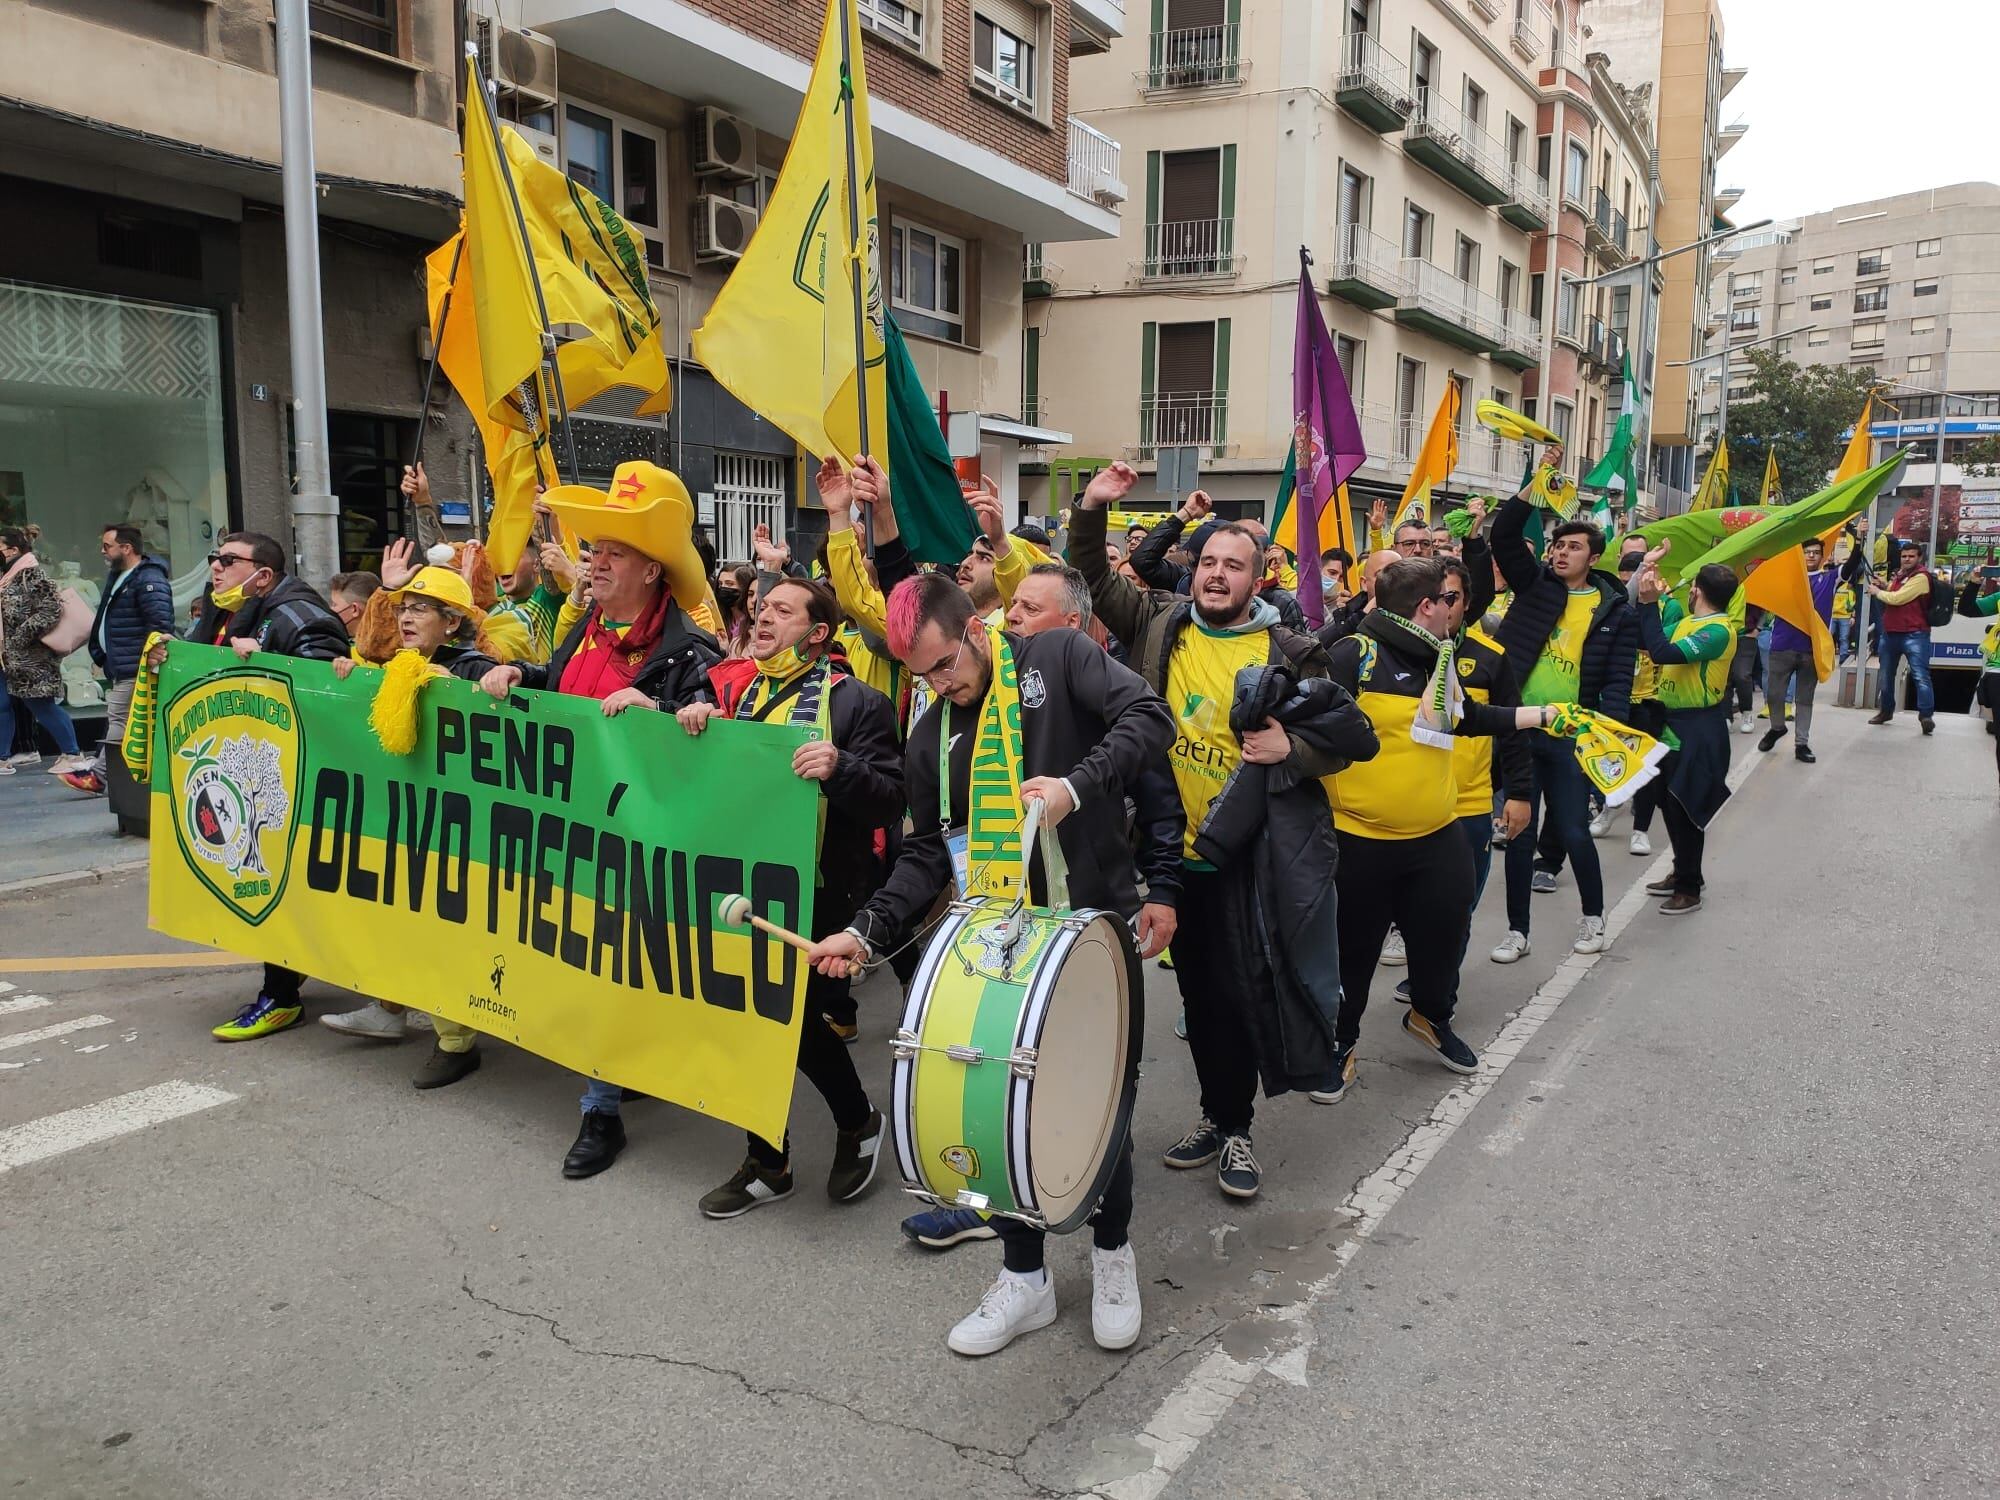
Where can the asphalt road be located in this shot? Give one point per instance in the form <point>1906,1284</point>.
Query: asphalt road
<point>1723,1225</point>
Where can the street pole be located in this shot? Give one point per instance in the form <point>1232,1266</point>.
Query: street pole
<point>1937,474</point>
<point>1551,273</point>
<point>315,534</point>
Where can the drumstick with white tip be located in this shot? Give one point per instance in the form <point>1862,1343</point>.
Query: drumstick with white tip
<point>735,912</point>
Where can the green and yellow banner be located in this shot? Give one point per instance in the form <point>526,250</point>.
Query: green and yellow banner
<point>532,869</point>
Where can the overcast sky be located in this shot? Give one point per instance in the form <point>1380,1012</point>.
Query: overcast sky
<point>1849,100</point>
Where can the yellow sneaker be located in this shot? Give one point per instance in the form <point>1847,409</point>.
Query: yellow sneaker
<point>260,1017</point>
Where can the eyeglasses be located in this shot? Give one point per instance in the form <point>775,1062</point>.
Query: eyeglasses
<point>418,607</point>
<point>1450,597</point>
<point>930,674</point>
<point>216,559</point>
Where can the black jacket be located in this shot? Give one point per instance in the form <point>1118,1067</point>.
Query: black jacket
<point>1274,821</point>
<point>1611,647</point>
<point>1149,560</point>
<point>1091,721</point>
<point>143,603</point>
<point>291,620</point>
<point>674,674</point>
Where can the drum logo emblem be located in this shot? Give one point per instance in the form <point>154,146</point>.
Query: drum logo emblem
<point>1034,692</point>
<point>961,1159</point>
<point>984,951</point>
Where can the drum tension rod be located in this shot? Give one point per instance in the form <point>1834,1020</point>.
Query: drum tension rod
<point>1021,1061</point>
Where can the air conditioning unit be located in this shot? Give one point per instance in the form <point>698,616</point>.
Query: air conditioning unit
<point>724,145</point>
<point>722,228</point>
<point>544,143</point>
<point>527,62</point>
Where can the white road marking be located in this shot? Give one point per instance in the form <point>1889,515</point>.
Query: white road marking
<point>43,1033</point>
<point>23,1002</point>
<point>1194,1408</point>
<point>23,1145</point>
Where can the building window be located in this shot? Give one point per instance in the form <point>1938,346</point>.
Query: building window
<point>1743,320</point>
<point>1193,236</point>
<point>1873,300</point>
<point>1576,172</point>
<point>1004,58</point>
<point>1352,354</point>
<point>903,22</point>
<point>1354,196</point>
<point>927,280</point>
<point>1818,337</point>
<point>1924,289</point>
<point>1923,325</point>
<point>1509,286</point>
<point>366,23</point>
<point>1918,363</point>
<point>1423,68</point>
<point>1871,263</point>
<point>1868,335</point>
<point>1823,266</point>
<point>1746,286</point>
<point>1821,304</point>
<point>1416,233</point>
<point>1465,261</point>
<point>1517,140</point>
<point>1475,104</point>
<point>1928,248</point>
<point>1409,405</point>
<point>1788,276</point>
<point>1188,400</point>
<point>749,490</point>
<point>621,161</point>
<point>1562,417</point>
<point>1569,308</point>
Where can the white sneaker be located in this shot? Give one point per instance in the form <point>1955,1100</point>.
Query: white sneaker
<point>1114,1297</point>
<point>65,763</point>
<point>1746,725</point>
<point>371,1021</point>
<point>28,758</point>
<point>1601,824</point>
<point>1641,843</point>
<point>417,1020</point>
<point>1590,935</point>
<point>1012,1305</point>
<point>1510,949</point>
<point>1392,950</point>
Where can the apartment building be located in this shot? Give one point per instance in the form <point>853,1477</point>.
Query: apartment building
<point>1674,48</point>
<point>1397,140</point>
<point>144,357</point>
<point>1878,286</point>
<point>144,366</point>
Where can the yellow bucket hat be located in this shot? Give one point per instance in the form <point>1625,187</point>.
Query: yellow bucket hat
<point>445,586</point>
<point>649,510</point>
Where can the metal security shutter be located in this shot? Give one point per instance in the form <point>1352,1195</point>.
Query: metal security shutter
<point>1190,186</point>
<point>1351,188</point>
<point>1184,15</point>
<point>1187,358</point>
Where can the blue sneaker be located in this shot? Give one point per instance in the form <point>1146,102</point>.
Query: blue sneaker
<point>1442,1040</point>
<point>1343,1075</point>
<point>941,1228</point>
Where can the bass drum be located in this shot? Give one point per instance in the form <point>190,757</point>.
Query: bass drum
<point>1017,1065</point>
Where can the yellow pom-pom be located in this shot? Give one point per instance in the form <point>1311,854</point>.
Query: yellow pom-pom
<point>394,715</point>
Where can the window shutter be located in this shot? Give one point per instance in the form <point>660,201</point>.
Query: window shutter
<point>1187,358</point>
<point>1152,187</point>
<point>1149,337</point>
<point>1222,376</point>
<point>1226,199</point>
<point>1191,186</point>
<point>1031,374</point>
<point>1188,14</point>
<point>1350,196</point>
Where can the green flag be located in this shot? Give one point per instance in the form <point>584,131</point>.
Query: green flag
<point>1616,472</point>
<point>1788,526</point>
<point>936,523</point>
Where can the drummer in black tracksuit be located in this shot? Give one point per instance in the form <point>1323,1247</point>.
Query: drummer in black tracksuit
<point>1090,729</point>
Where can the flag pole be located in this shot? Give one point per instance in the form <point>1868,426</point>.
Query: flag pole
<point>550,369</point>
<point>855,269</point>
<point>437,348</point>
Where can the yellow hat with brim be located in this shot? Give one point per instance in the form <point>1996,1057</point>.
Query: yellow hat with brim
<point>443,586</point>
<point>648,509</point>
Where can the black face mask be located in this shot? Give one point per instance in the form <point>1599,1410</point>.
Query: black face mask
<point>727,597</point>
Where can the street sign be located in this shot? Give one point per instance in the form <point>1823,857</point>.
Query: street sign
<point>1180,471</point>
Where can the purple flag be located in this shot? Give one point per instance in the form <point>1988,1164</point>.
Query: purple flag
<point>1326,436</point>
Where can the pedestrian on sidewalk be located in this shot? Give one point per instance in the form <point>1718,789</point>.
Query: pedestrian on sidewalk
<point>31,673</point>
<point>1906,636</point>
<point>137,602</point>
<point>1792,657</point>
<point>1694,648</point>
<point>1743,673</point>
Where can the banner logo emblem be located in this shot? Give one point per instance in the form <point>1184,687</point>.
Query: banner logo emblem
<point>237,758</point>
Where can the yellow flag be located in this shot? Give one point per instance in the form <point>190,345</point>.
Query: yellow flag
<point>1436,460</point>
<point>793,291</point>
<point>1780,586</point>
<point>1714,491</point>
<point>1771,495</point>
<point>1854,461</point>
<point>507,321</point>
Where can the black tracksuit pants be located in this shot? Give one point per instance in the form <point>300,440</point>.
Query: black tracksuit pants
<point>1022,1246</point>
<point>1218,964</point>
<point>823,1057</point>
<point>1424,886</point>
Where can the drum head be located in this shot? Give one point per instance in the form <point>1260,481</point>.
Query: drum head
<point>1086,1073</point>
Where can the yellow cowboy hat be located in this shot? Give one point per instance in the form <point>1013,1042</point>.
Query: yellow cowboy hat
<point>443,586</point>
<point>1511,424</point>
<point>648,509</point>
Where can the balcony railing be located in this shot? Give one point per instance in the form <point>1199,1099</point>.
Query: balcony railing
<point>1614,348</point>
<point>1533,26</point>
<point>1094,160</point>
<point>1039,274</point>
<point>1190,247</point>
<point>1370,83</point>
<point>1527,205</point>
<point>1195,57</point>
<point>1520,340</point>
<point>1439,302</point>
<point>1177,419</point>
<point>1447,141</point>
<point>1594,345</point>
<point>1871,265</point>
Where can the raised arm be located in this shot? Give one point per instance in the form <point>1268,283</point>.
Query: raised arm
<point>1117,601</point>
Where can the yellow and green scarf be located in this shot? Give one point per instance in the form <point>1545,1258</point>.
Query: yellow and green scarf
<point>137,746</point>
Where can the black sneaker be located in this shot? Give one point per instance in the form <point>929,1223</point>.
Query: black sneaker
<point>597,1144</point>
<point>857,1156</point>
<point>1804,753</point>
<point>1402,992</point>
<point>442,1067</point>
<point>1197,1148</point>
<point>1237,1174</point>
<point>1929,726</point>
<point>753,1186</point>
<point>1771,736</point>
<point>1343,1075</point>
<point>1441,1039</point>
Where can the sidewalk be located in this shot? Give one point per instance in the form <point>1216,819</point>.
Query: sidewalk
<point>52,833</point>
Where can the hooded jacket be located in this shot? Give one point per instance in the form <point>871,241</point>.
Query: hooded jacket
<point>134,604</point>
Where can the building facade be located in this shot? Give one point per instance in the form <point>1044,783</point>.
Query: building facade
<point>1881,286</point>
<point>1674,47</point>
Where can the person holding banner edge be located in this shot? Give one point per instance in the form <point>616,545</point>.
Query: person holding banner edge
<point>859,767</point>
<point>1089,729</point>
<point>634,647</point>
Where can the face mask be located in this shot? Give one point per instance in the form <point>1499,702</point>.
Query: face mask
<point>230,600</point>
<point>785,664</point>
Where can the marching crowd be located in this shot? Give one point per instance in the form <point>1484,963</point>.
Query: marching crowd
<point>1277,808</point>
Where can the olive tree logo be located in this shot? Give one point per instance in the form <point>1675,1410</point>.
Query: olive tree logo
<point>238,755</point>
